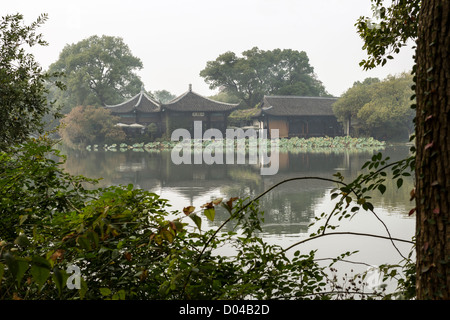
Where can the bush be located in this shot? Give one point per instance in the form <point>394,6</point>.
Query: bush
<point>90,125</point>
<point>123,243</point>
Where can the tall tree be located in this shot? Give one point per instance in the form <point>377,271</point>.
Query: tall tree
<point>388,114</point>
<point>346,108</point>
<point>259,72</point>
<point>163,96</point>
<point>433,150</point>
<point>23,101</point>
<point>381,108</point>
<point>98,71</point>
<point>428,23</point>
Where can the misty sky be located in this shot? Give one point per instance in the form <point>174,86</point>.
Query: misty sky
<point>175,38</point>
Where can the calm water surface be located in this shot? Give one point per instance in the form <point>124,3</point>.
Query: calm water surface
<point>288,209</point>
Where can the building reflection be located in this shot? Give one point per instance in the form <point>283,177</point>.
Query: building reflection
<point>289,208</point>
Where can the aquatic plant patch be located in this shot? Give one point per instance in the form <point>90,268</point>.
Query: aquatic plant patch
<point>284,144</point>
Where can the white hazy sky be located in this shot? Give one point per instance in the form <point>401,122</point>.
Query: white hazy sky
<point>175,38</point>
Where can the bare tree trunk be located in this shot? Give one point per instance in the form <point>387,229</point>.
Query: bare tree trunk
<point>433,150</point>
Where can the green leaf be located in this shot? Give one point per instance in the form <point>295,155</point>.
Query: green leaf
<point>365,164</point>
<point>210,213</point>
<point>41,262</point>
<point>120,295</point>
<point>176,225</point>
<point>22,267</point>
<point>22,218</point>
<point>348,200</point>
<point>17,266</point>
<point>367,206</point>
<point>105,292</point>
<point>84,242</point>
<point>22,240</point>
<point>399,182</point>
<point>382,188</point>
<point>93,237</point>
<point>197,220</point>
<point>59,278</point>
<point>167,235</point>
<point>84,288</point>
<point>40,274</point>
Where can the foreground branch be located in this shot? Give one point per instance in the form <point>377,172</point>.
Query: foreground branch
<point>347,233</point>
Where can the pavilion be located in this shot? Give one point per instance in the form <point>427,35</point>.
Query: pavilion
<point>180,113</point>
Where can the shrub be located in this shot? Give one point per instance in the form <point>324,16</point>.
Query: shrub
<point>90,125</point>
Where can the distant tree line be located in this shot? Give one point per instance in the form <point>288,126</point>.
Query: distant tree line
<point>101,70</point>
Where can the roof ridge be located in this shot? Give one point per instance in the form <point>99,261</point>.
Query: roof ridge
<point>122,103</point>
<point>139,100</point>
<point>151,99</point>
<point>158,104</point>
<point>141,94</point>
<point>201,96</point>
<point>225,103</point>
<point>176,99</point>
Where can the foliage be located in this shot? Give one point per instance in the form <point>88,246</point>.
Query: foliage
<point>393,27</point>
<point>373,180</point>
<point>259,73</point>
<point>163,96</point>
<point>125,245</point>
<point>224,96</point>
<point>33,187</point>
<point>390,106</point>
<point>348,105</point>
<point>242,117</point>
<point>98,71</point>
<point>379,108</point>
<point>90,125</point>
<point>23,101</point>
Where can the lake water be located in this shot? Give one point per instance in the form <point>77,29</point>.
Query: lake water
<point>288,209</point>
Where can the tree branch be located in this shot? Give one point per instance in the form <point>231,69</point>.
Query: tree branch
<point>347,233</point>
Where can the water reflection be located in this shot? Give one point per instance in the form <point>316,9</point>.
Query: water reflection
<point>288,209</point>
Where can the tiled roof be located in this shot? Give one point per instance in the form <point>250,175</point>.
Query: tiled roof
<point>193,102</point>
<point>297,106</point>
<point>140,102</point>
